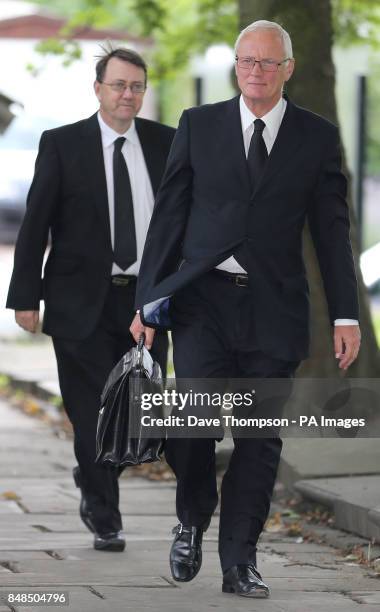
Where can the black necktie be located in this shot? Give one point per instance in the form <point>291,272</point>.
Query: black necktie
<point>125,251</point>
<point>257,153</point>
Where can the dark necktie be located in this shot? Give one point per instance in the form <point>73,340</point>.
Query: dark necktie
<point>125,251</point>
<point>257,153</point>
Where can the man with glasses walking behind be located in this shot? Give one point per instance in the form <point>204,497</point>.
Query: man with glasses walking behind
<point>93,189</point>
<point>242,177</point>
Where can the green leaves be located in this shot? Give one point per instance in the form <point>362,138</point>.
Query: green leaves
<point>356,22</point>
<point>186,27</point>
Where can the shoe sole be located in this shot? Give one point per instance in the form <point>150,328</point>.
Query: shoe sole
<point>258,594</point>
<point>181,579</point>
<point>113,545</point>
<point>110,546</point>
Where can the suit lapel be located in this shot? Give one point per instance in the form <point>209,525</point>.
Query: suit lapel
<point>287,142</point>
<point>230,143</point>
<point>94,160</point>
<point>152,155</point>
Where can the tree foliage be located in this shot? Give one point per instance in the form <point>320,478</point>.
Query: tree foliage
<point>185,27</point>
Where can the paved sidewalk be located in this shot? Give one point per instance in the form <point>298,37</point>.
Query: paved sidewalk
<point>341,473</point>
<point>45,547</point>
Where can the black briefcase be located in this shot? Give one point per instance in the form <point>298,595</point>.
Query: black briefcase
<point>121,438</point>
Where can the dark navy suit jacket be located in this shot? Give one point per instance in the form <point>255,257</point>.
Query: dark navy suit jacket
<point>206,211</point>
<point>68,197</point>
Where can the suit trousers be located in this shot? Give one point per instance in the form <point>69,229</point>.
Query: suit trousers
<point>83,368</point>
<point>214,337</point>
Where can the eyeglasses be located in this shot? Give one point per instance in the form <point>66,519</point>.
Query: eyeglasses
<point>268,65</point>
<point>121,86</point>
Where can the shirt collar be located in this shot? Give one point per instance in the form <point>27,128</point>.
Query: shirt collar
<point>272,119</point>
<point>109,135</point>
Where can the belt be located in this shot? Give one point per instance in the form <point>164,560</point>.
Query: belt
<point>241,280</point>
<point>122,280</point>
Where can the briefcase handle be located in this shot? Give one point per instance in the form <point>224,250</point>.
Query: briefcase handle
<point>141,341</point>
<point>140,346</point>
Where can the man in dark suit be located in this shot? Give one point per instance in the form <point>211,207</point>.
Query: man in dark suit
<point>93,188</point>
<point>225,241</point>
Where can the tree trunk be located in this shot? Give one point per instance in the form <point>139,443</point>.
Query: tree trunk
<point>312,85</point>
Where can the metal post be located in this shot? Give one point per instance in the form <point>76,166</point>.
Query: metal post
<point>198,81</point>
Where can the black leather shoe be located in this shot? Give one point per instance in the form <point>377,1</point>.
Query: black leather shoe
<point>84,511</point>
<point>112,541</point>
<point>244,580</point>
<point>186,552</point>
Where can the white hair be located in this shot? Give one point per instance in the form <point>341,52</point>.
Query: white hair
<point>263,24</point>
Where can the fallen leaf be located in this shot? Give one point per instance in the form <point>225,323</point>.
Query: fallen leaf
<point>10,495</point>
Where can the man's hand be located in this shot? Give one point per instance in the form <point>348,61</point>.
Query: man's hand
<point>137,328</point>
<point>346,344</point>
<point>27,319</point>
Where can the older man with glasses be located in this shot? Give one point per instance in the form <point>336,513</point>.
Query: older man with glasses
<point>229,278</point>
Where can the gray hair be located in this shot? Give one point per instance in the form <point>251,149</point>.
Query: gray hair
<point>263,24</point>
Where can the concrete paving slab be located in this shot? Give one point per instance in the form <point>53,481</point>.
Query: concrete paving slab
<point>82,599</point>
<point>48,495</point>
<point>295,547</point>
<point>72,578</point>
<point>337,583</point>
<point>314,458</point>
<point>134,525</point>
<point>364,597</point>
<point>34,467</point>
<point>120,600</point>
<point>206,599</point>
<point>33,360</point>
<point>12,555</point>
<point>186,600</point>
<point>355,501</point>
<point>131,563</point>
<point>13,437</point>
<point>9,507</point>
<point>41,499</point>
<point>49,386</point>
<point>317,606</point>
<point>52,549</point>
<point>126,571</point>
<point>13,420</point>
<point>139,551</point>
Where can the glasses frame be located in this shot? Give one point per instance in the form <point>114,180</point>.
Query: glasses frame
<point>121,88</point>
<point>254,61</point>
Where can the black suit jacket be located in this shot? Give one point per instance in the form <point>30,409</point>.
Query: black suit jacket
<point>68,196</point>
<point>206,201</point>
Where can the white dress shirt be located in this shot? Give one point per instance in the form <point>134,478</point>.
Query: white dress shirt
<point>142,193</point>
<point>272,122</point>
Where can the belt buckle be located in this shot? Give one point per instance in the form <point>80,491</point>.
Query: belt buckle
<point>241,280</point>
